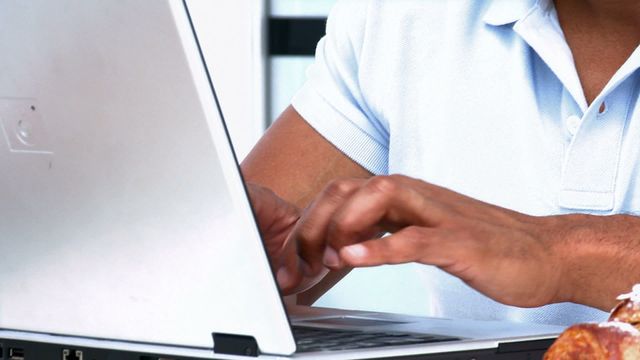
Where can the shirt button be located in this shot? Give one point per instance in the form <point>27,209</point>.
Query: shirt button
<point>573,123</point>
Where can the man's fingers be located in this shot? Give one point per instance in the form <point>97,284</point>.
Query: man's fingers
<point>289,278</point>
<point>287,266</point>
<point>381,203</point>
<point>411,244</point>
<point>310,232</point>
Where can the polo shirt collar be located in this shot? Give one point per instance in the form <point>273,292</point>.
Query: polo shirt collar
<point>537,24</point>
<point>503,12</point>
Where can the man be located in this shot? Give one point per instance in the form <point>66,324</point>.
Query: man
<point>509,121</point>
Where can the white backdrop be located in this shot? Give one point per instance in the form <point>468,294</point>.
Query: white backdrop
<point>230,32</point>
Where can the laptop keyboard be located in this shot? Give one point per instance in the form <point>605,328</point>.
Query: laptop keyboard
<point>317,339</point>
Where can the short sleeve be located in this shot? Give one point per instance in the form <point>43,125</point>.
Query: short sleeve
<point>331,100</point>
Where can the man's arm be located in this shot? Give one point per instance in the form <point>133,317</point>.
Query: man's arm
<point>600,255</point>
<point>296,163</point>
<point>513,258</point>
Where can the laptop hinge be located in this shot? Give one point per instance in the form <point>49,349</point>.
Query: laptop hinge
<point>518,346</point>
<point>235,345</point>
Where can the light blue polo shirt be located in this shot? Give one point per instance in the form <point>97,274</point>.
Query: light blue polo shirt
<point>481,97</point>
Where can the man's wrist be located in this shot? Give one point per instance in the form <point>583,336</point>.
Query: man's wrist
<point>564,233</point>
<point>596,257</point>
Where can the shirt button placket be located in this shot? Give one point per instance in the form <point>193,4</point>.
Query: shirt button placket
<point>593,156</point>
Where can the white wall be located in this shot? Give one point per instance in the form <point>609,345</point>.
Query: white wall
<point>230,32</point>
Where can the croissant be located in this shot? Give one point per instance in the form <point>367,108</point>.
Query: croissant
<point>616,339</point>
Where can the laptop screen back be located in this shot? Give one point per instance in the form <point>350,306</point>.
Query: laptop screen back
<point>123,215</point>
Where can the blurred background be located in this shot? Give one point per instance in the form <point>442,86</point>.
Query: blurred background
<point>257,52</point>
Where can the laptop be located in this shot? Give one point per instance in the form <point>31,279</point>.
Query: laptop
<point>125,228</point>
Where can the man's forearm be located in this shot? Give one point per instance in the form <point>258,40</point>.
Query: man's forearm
<point>601,255</point>
<point>513,258</point>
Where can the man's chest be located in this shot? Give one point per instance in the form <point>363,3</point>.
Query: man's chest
<point>511,134</point>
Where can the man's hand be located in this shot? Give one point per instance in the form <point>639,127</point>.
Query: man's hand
<point>511,257</point>
<point>276,218</point>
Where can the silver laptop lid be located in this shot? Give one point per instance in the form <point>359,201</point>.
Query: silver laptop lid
<point>122,211</point>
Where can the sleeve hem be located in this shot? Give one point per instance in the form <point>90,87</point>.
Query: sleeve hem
<point>340,131</point>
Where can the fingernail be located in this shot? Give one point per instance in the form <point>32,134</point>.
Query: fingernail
<point>283,277</point>
<point>355,251</point>
<point>330,258</point>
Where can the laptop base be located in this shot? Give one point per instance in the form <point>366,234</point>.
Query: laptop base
<point>28,350</point>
